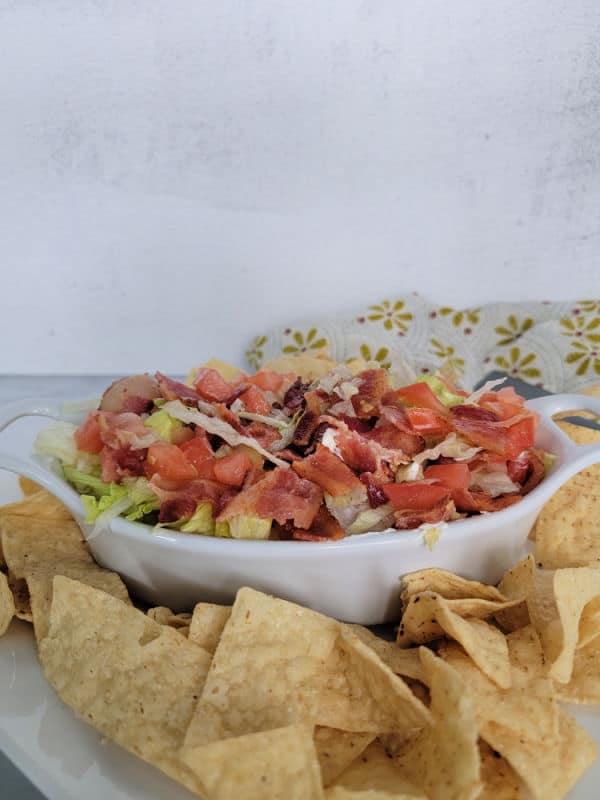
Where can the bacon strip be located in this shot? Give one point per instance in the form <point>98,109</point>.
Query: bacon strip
<point>281,495</point>
<point>372,387</point>
<point>325,528</point>
<point>537,470</point>
<point>174,390</point>
<point>328,471</point>
<point>409,518</point>
<point>474,501</point>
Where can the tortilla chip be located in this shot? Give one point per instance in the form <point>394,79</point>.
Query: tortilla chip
<point>589,624</point>
<point>448,585</point>
<point>428,613</point>
<point>20,593</point>
<point>500,781</point>
<point>402,662</point>
<point>516,585</point>
<point>164,616</point>
<point>526,656</point>
<point>341,793</point>
<point>135,681</point>
<point>374,770</point>
<point>306,366</point>
<point>567,531</point>
<point>584,686</point>
<point>556,602</point>
<point>336,750</point>
<point>40,581</point>
<point>7,604</point>
<point>40,504</point>
<point>206,627</point>
<point>28,486</point>
<point>419,626</point>
<point>279,764</point>
<point>444,760</point>
<point>278,663</point>
<point>34,543</point>
<point>37,550</point>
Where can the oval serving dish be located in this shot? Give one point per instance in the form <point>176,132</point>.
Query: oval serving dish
<point>356,579</point>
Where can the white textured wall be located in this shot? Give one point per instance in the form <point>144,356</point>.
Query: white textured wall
<point>176,174</point>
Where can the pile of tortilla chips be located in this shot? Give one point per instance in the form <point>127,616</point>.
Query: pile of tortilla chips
<point>266,699</point>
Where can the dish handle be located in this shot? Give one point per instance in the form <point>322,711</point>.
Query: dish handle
<point>53,409</point>
<point>580,456</point>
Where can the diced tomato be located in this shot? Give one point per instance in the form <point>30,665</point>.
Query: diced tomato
<point>255,401</point>
<point>212,386</point>
<point>88,436</point>
<point>452,476</point>
<point>181,435</point>
<point>520,436</point>
<point>267,380</point>
<point>232,469</point>
<point>198,449</point>
<point>420,395</point>
<point>428,422</point>
<point>505,404</point>
<point>168,461</point>
<point>416,496</point>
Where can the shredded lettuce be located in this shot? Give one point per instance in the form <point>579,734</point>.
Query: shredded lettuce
<point>431,533</point>
<point>244,527</point>
<point>96,505</point>
<point>475,397</point>
<point>201,521</point>
<point>163,424</point>
<point>373,519</point>
<point>86,482</point>
<point>451,447</point>
<point>495,482</point>
<point>58,442</point>
<point>441,390</point>
<point>219,427</point>
<point>104,501</point>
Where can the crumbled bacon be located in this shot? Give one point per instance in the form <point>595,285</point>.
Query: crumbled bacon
<point>177,508</point>
<point>174,390</point>
<point>118,463</point>
<point>409,518</point>
<point>324,528</point>
<point>536,472</point>
<point>474,501</point>
<point>375,494</point>
<point>281,495</point>
<point>294,397</point>
<point>328,471</point>
<point>372,387</point>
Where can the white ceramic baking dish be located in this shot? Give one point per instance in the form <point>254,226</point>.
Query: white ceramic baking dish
<point>356,579</point>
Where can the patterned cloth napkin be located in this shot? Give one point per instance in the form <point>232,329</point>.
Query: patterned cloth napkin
<point>553,345</point>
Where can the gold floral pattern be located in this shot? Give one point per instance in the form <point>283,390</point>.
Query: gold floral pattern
<point>392,314</point>
<point>586,355</point>
<point>581,327</point>
<point>470,315</point>
<point>518,364</point>
<point>381,355</point>
<point>587,306</point>
<point>303,343</point>
<point>447,353</point>
<point>513,329</point>
<point>255,353</point>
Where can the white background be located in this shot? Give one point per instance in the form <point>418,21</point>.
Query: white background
<point>177,175</point>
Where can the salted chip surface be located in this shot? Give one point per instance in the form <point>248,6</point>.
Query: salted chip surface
<point>444,760</point>
<point>584,685</point>
<point>336,750</point>
<point>278,663</point>
<point>40,585</point>
<point>567,531</point>
<point>7,604</point>
<point>556,604</point>
<point>40,504</point>
<point>374,770</point>
<point>427,612</point>
<point>500,781</point>
<point>342,793</point>
<point>208,621</point>
<point>165,616</point>
<point>28,486</point>
<point>402,662</point>
<point>35,543</point>
<point>448,585</point>
<point>516,585</point>
<point>37,550</point>
<point>135,681</point>
<point>308,367</point>
<point>279,764</point>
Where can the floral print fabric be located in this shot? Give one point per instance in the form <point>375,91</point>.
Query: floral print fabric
<point>553,345</point>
